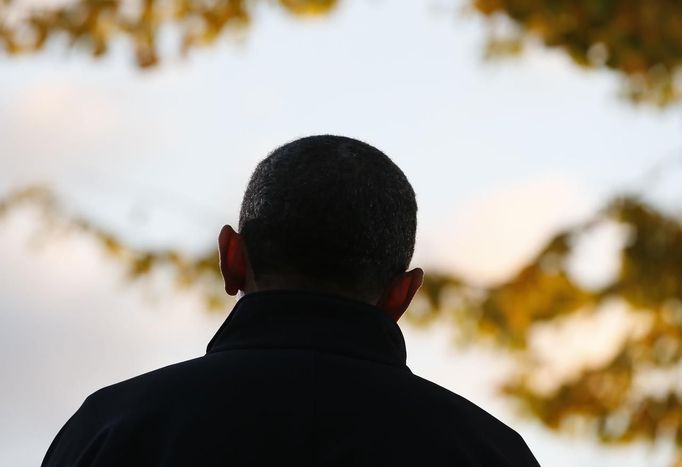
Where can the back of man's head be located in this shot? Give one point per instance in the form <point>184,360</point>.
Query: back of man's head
<point>328,213</point>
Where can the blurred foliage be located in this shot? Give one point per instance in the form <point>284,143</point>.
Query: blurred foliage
<point>639,40</point>
<point>604,399</point>
<point>94,23</point>
<point>198,272</point>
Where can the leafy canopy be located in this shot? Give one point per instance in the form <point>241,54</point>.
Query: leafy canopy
<point>639,40</point>
<point>93,24</point>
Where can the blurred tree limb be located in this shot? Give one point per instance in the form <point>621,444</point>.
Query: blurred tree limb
<point>641,41</point>
<point>93,24</point>
<point>603,399</point>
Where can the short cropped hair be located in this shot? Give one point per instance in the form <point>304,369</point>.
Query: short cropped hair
<point>332,211</point>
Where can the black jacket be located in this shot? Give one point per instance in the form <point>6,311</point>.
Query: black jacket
<point>291,378</point>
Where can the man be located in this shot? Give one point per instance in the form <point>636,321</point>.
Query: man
<point>309,367</point>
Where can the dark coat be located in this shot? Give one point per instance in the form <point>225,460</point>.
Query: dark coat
<point>291,378</point>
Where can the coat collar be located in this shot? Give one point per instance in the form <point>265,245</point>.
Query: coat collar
<point>304,319</point>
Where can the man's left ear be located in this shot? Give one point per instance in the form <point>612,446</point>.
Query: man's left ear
<point>233,262</point>
<point>398,295</point>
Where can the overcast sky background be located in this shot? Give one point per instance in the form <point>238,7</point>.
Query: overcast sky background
<point>500,156</point>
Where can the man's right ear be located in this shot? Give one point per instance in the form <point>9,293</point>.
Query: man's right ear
<point>233,262</point>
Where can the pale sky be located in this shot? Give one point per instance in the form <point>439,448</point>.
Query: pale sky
<point>500,156</point>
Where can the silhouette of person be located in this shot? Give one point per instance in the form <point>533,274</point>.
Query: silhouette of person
<point>309,368</point>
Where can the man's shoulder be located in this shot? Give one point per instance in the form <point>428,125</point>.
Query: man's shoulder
<point>472,421</point>
<point>151,383</point>
<point>110,417</point>
<point>449,401</point>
